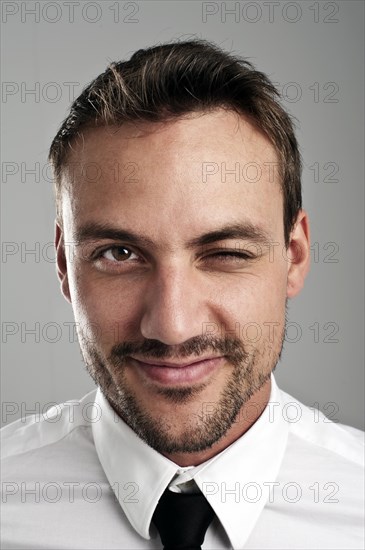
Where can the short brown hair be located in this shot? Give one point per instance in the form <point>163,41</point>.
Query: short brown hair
<point>174,79</point>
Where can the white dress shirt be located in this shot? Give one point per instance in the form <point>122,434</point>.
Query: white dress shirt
<point>79,478</point>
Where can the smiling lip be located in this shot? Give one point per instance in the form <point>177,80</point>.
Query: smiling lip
<point>176,373</point>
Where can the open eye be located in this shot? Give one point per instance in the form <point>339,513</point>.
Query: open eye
<point>116,253</point>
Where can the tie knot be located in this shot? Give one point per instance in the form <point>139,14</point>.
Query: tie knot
<point>182,520</point>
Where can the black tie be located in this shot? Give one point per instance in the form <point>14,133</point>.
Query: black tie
<point>182,520</point>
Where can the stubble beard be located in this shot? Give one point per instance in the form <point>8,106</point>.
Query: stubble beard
<point>250,370</point>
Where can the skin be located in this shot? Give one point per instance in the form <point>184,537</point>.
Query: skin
<point>169,301</point>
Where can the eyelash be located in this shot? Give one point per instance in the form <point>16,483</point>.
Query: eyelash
<point>223,254</point>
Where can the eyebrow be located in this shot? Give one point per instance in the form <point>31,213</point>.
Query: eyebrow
<point>93,231</point>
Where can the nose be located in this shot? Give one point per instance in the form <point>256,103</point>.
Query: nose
<point>173,306</point>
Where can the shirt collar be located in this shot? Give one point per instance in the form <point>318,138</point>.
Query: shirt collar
<point>232,481</point>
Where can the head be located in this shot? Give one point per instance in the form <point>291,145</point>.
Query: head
<point>180,236</point>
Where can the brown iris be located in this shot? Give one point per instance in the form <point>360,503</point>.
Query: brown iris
<point>120,253</point>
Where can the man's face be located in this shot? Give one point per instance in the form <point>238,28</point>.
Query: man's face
<point>165,296</point>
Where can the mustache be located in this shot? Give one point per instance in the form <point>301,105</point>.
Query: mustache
<point>234,349</point>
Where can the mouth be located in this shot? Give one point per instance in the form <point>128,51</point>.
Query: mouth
<point>167,374</point>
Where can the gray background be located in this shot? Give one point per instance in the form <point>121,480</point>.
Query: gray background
<point>313,50</point>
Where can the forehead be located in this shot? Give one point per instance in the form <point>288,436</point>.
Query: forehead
<point>194,171</point>
<point>220,132</point>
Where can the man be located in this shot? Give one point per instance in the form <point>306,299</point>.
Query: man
<point>180,236</point>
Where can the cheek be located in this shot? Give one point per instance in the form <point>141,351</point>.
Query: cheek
<point>256,295</point>
<point>253,311</point>
<point>105,308</point>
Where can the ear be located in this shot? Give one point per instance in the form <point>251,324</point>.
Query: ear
<point>61,262</point>
<point>298,255</point>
